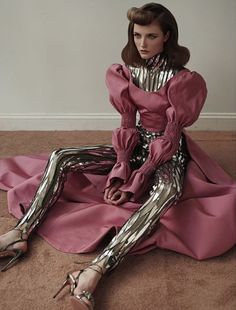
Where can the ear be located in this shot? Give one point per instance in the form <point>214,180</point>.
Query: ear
<point>167,35</point>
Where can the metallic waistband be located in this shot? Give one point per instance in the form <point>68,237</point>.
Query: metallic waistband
<point>146,136</point>
<point>141,151</point>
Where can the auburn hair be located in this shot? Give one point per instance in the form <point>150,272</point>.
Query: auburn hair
<point>177,55</point>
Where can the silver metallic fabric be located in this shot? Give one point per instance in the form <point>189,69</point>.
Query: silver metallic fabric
<point>93,159</point>
<point>166,188</point>
<point>152,78</point>
<point>141,151</point>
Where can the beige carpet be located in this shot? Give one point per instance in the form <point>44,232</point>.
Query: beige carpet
<point>157,280</point>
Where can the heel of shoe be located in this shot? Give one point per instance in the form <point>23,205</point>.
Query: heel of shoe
<point>65,283</point>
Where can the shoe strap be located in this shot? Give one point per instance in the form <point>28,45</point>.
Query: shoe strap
<point>88,296</point>
<point>90,267</point>
<point>21,239</point>
<point>98,271</point>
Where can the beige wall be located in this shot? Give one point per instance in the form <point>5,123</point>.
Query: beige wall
<point>54,54</point>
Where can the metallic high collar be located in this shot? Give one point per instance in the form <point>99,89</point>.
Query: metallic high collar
<point>154,75</point>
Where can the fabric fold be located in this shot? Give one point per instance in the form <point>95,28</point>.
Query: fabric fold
<point>125,138</point>
<point>120,170</point>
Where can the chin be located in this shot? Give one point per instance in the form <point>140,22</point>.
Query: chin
<point>145,56</point>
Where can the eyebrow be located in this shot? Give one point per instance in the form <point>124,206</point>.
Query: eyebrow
<point>152,33</point>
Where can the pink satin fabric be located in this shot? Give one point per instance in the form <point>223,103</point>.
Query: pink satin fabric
<point>202,224</point>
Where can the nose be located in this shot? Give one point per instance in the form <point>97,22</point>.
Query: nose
<point>143,42</point>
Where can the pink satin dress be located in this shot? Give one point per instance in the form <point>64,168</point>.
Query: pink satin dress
<point>203,222</point>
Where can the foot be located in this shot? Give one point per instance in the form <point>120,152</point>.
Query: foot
<point>13,240</point>
<point>87,281</point>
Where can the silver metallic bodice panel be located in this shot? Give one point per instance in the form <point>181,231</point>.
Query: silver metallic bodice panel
<point>151,78</point>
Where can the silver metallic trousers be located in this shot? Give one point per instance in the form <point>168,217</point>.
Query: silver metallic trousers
<point>165,188</point>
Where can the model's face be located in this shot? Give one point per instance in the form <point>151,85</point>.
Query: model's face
<point>149,39</point>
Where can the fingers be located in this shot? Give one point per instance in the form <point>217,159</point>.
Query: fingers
<point>113,191</point>
<point>111,196</point>
<point>114,196</point>
<point>106,193</point>
<point>120,197</point>
<point>109,192</point>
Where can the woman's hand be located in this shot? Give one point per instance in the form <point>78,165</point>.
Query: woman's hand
<point>115,196</point>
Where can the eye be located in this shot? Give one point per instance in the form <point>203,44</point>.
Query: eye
<point>137,35</point>
<point>152,36</point>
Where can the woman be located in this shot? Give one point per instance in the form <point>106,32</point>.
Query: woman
<point>142,176</point>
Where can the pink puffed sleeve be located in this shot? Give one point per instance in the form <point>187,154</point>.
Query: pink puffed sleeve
<point>125,138</point>
<point>186,94</point>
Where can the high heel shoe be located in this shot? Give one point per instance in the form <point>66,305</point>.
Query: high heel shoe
<point>16,252</point>
<point>78,300</point>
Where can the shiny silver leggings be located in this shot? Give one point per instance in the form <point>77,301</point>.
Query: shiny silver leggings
<point>167,182</point>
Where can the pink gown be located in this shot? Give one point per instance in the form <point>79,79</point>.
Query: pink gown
<point>203,222</point>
